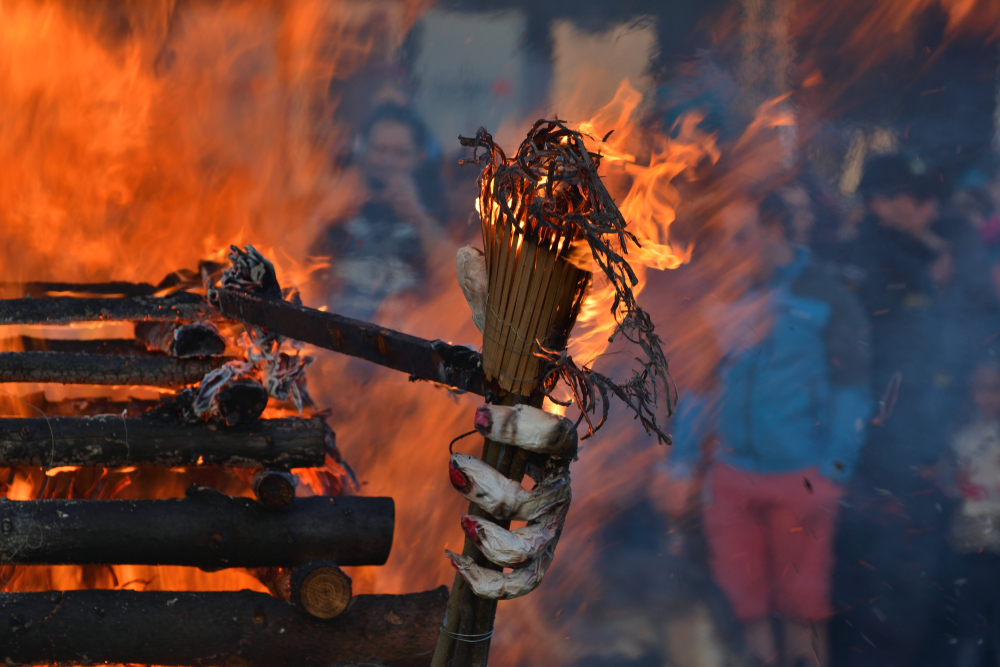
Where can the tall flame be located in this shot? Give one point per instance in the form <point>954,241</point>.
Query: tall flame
<point>649,205</point>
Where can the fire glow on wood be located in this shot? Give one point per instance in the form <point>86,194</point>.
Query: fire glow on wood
<point>293,546</point>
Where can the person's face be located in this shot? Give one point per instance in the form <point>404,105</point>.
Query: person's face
<point>797,199</point>
<point>986,392</point>
<point>390,151</point>
<point>906,213</point>
<point>758,249</point>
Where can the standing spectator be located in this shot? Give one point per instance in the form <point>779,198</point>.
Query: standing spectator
<point>816,215</point>
<point>903,267</point>
<point>890,542</point>
<point>975,527</point>
<point>788,419</point>
<point>381,249</point>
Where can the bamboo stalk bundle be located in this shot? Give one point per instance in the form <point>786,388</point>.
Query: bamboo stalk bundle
<point>537,282</point>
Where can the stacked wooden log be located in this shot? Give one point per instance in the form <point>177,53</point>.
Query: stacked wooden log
<point>294,545</point>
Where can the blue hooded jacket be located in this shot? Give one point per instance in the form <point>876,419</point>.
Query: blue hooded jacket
<point>797,398</point>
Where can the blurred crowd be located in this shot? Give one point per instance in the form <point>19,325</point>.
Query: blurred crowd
<point>843,473</point>
<point>846,470</point>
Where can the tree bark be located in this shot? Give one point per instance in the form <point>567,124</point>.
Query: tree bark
<point>104,369</point>
<point>436,361</point>
<point>207,529</point>
<point>225,629</point>
<point>112,441</point>
<point>180,306</point>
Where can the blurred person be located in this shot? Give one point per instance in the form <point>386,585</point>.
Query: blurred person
<point>903,268</point>
<point>382,247</point>
<point>974,533</point>
<point>787,419</point>
<point>890,542</point>
<point>816,215</point>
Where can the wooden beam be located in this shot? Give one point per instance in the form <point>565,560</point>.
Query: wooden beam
<point>214,629</point>
<point>112,441</point>
<point>208,529</point>
<point>453,365</point>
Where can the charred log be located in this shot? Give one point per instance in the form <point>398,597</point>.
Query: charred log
<point>127,346</point>
<point>113,441</point>
<point>318,587</point>
<point>180,306</point>
<point>86,407</point>
<point>207,529</point>
<point>104,369</point>
<point>194,339</point>
<point>241,402</point>
<point>275,489</point>
<point>435,361</point>
<point>44,289</point>
<point>245,628</point>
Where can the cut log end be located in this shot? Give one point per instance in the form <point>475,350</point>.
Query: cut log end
<point>321,588</point>
<point>275,489</point>
<point>241,402</point>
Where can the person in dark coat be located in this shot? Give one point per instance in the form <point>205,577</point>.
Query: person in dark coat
<point>891,539</point>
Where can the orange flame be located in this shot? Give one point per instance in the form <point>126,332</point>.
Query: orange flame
<point>649,205</point>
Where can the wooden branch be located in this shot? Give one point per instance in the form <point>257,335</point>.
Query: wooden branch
<point>104,369</point>
<point>207,529</point>
<point>214,629</point>
<point>180,306</point>
<point>452,365</point>
<point>112,441</point>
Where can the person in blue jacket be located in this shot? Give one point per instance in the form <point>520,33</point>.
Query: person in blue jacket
<point>772,445</point>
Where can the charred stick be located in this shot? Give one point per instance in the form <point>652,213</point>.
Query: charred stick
<point>113,441</point>
<point>194,339</point>
<point>104,369</point>
<point>435,361</point>
<point>180,306</point>
<point>43,289</point>
<point>213,629</point>
<point>207,529</point>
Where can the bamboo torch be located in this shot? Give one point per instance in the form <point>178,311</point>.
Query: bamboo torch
<point>538,266</point>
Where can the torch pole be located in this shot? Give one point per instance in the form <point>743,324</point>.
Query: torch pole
<point>468,615</point>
